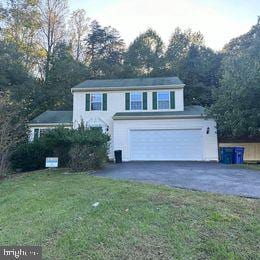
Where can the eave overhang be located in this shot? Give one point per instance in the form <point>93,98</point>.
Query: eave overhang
<point>128,88</point>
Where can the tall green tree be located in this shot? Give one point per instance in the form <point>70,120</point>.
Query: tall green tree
<point>198,66</point>
<point>15,79</point>
<point>12,129</point>
<point>21,22</point>
<point>237,102</point>
<point>179,46</point>
<point>200,72</point>
<point>104,51</point>
<point>144,56</point>
<point>65,73</point>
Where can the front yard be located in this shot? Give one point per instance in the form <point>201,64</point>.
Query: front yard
<point>132,220</point>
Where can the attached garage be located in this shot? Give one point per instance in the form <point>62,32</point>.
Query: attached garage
<point>165,136</point>
<point>166,145</point>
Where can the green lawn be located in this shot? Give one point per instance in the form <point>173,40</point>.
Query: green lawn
<point>251,166</point>
<point>132,221</point>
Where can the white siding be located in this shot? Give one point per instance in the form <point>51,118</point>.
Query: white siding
<point>115,103</point>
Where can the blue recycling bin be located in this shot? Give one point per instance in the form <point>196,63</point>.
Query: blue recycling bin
<point>226,155</point>
<point>238,155</point>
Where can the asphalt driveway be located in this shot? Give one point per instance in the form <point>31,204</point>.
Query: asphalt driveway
<point>212,177</point>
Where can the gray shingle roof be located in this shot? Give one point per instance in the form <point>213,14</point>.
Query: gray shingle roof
<point>53,117</point>
<point>136,82</point>
<point>193,111</point>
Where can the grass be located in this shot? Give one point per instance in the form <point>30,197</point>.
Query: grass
<point>255,167</point>
<point>132,221</point>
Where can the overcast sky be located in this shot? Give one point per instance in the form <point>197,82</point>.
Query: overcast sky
<point>218,20</point>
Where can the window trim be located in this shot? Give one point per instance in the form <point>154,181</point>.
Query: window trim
<point>141,95</point>
<point>101,107</point>
<point>169,100</point>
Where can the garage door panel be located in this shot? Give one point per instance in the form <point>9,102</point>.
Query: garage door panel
<point>166,144</point>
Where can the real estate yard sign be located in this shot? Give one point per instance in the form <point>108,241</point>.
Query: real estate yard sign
<point>51,162</point>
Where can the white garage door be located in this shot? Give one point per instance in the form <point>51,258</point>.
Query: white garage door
<point>163,145</point>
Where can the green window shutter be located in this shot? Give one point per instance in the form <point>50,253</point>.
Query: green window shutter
<point>127,101</point>
<point>154,100</point>
<point>87,102</point>
<point>144,100</point>
<point>172,99</point>
<point>104,101</point>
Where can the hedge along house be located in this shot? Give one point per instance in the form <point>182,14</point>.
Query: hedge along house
<point>145,117</point>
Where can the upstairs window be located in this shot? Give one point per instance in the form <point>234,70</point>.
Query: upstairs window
<point>136,100</point>
<point>96,101</point>
<point>163,99</point>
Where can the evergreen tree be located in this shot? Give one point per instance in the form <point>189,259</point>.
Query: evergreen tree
<point>104,52</point>
<point>144,56</point>
<point>65,73</point>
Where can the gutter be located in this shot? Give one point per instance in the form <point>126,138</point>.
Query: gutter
<point>49,124</point>
<point>158,117</point>
<point>86,89</point>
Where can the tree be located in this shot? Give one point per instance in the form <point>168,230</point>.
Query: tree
<point>52,31</point>
<point>11,129</point>
<point>198,66</point>
<point>243,42</point>
<point>65,73</point>
<point>104,51</point>
<point>78,32</point>
<point>200,72</point>
<point>15,79</point>
<point>144,56</point>
<point>179,46</point>
<point>20,28</point>
<point>3,14</point>
<point>237,101</point>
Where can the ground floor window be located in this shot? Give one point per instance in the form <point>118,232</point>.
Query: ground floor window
<point>36,133</point>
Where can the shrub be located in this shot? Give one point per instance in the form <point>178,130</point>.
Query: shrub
<point>89,149</point>
<point>30,156</point>
<point>59,141</point>
<point>81,149</point>
<point>84,157</point>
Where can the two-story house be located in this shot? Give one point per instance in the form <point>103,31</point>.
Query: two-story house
<point>145,117</point>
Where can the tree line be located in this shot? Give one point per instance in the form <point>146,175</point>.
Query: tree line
<point>45,50</point>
